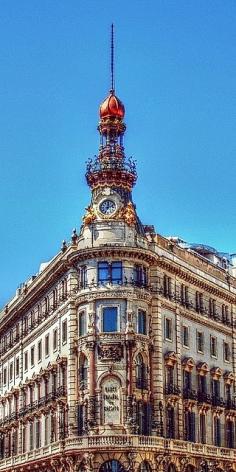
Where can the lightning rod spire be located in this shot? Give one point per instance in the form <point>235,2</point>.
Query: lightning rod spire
<point>112,60</point>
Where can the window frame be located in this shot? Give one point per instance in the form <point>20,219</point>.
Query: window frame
<point>26,361</point>
<point>64,331</point>
<point>32,356</point>
<point>143,323</point>
<point>226,352</point>
<point>82,332</point>
<point>46,345</point>
<point>213,354</point>
<point>117,307</point>
<point>55,339</point>
<point>40,350</point>
<point>185,328</point>
<point>201,351</point>
<point>109,267</point>
<point>170,322</point>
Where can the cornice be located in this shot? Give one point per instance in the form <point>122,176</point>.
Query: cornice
<point>195,279</point>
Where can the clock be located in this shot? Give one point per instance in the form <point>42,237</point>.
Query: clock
<point>107,207</point>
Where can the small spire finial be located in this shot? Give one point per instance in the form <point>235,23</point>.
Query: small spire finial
<point>112,60</point>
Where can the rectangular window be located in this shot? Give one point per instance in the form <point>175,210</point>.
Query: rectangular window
<point>82,323</point>
<point>83,277</point>
<point>5,376</point>
<point>168,329</point>
<point>142,322</point>
<point>17,367</point>
<point>32,356</point>
<point>200,341</point>
<point>110,272</point>
<point>185,336</point>
<point>11,372</point>
<point>212,307</point>
<point>167,287</point>
<point>31,426</point>
<point>199,302</point>
<point>17,331</point>
<point>37,434</point>
<point>213,346</point>
<point>110,319</point>
<point>26,360</point>
<point>184,295</point>
<point>55,340</point>
<point>226,352</point>
<point>140,275</point>
<point>103,272</point>
<point>47,345</point>
<point>40,351</point>
<point>64,332</point>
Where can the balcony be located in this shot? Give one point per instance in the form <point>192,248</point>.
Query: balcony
<point>230,404</point>
<point>189,394</point>
<point>172,389</point>
<point>204,397</point>
<point>59,392</point>
<point>217,401</point>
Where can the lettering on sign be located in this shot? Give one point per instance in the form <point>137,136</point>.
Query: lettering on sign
<point>111,401</point>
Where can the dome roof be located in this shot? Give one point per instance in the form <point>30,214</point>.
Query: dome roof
<point>112,106</point>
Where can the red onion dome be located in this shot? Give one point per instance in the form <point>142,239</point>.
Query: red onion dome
<point>112,106</point>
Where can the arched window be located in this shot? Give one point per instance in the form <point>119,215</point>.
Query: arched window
<point>145,467</point>
<point>141,372</point>
<point>83,372</point>
<point>112,466</point>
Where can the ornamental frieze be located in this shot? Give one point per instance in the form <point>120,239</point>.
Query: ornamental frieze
<point>112,352</point>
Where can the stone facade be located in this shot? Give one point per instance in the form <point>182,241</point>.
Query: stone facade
<point>120,354</point>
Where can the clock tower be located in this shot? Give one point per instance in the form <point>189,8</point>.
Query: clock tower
<point>111,215</point>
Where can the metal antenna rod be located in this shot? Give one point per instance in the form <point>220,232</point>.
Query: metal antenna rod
<point>112,60</point>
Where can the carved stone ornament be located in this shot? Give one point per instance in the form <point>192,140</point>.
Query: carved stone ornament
<point>184,461</point>
<point>112,352</point>
<point>162,460</point>
<point>89,216</point>
<point>131,458</point>
<point>128,214</point>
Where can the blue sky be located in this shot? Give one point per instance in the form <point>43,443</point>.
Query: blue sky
<point>175,72</point>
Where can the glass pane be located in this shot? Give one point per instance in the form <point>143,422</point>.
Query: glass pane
<point>82,324</point>
<point>116,272</point>
<point>110,319</point>
<point>141,322</point>
<point>103,272</point>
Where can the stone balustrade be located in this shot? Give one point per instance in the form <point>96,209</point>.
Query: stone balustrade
<point>154,443</point>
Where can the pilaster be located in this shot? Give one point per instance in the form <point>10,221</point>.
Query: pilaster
<point>71,370</point>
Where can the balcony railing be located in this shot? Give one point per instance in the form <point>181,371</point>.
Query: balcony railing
<point>204,397</point>
<point>217,401</point>
<point>85,443</point>
<point>172,389</point>
<point>230,404</point>
<point>189,393</point>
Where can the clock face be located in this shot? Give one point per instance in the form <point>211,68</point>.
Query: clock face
<point>107,207</point>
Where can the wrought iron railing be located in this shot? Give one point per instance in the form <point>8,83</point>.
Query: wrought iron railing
<point>172,389</point>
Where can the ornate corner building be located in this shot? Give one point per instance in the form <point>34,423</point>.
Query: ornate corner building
<point>120,354</point>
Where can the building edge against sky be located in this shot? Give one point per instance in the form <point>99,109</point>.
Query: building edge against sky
<point>120,355</point>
